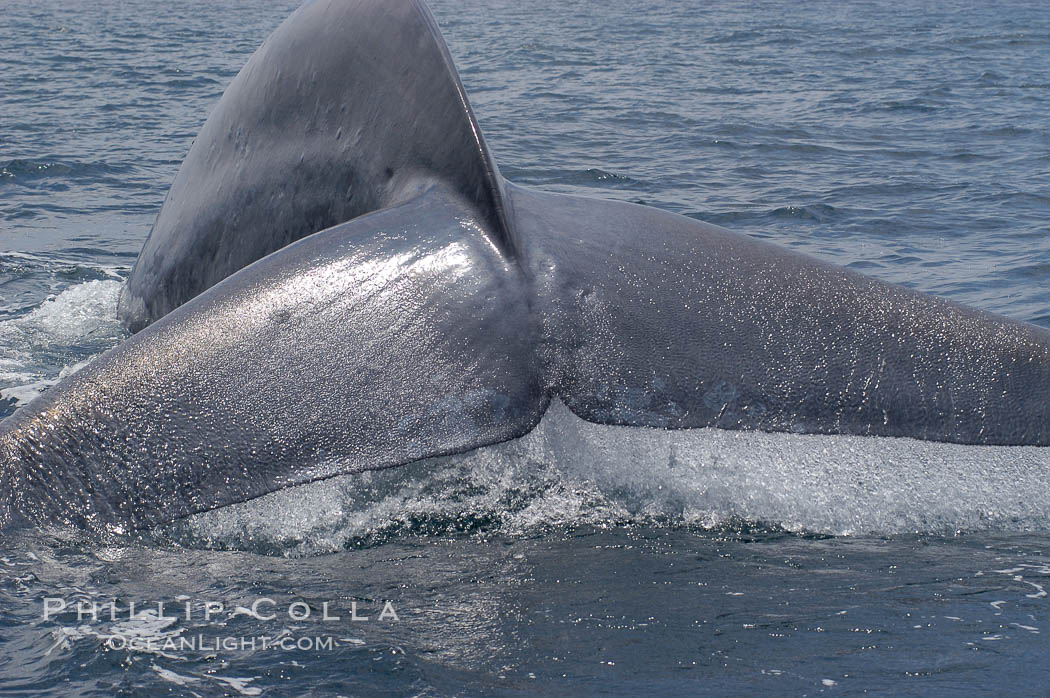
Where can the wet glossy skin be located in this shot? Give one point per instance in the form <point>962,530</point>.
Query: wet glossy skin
<point>441,308</point>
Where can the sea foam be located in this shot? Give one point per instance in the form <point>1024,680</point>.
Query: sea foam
<point>571,472</point>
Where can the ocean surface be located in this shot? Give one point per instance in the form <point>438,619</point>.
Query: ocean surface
<point>908,140</point>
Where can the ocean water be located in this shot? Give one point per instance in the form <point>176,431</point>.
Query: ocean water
<point>907,140</point>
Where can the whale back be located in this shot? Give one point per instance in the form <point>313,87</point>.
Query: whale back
<point>660,320</point>
<point>349,107</point>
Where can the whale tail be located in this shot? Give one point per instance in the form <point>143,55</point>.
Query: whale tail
<point>349,107</point>
<point>355,287</point>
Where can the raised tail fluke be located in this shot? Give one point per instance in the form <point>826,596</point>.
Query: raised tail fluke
<point>349,107</point>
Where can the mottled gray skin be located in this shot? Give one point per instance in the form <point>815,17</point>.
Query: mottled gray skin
<point>340,280</point>
<point>336,115</point>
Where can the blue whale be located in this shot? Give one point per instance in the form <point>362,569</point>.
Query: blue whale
<point>341,280</point>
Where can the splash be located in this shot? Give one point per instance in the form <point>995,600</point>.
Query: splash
<point>57,338</point>
<point>569,472</point>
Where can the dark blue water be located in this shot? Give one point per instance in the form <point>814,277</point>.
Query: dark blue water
<point>907,140</point>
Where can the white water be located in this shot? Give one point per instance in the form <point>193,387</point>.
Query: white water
<point>84,314</point>
<point>568,471</point>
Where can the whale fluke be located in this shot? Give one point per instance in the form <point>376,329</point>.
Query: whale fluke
<point>390,338</point>
<point>349,107</point>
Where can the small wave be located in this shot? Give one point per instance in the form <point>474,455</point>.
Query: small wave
<point>591,177</point>
<point>799,148</point>
<point>967,156</point>
<point>66,269</point>
<point>918,104</point>
<point>993,40</point>
<point>879,52</point>
<point>865,265</point>
<point>990,77</point>
<point>190,82</point>
<point>820,213</point>
<point>20,171</point>
<point>1017,200</point>
<point>736,36</point>
<point>1037,272</point>
<point>594,176</point>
